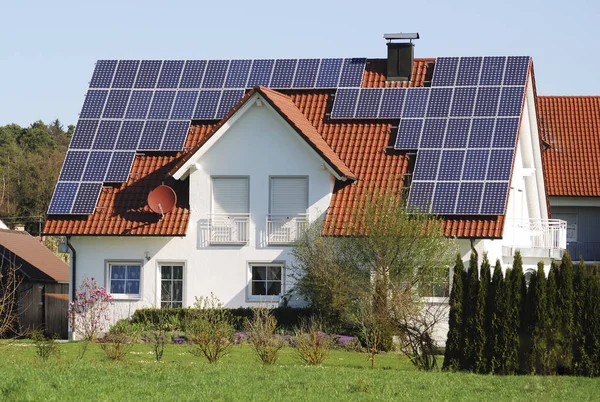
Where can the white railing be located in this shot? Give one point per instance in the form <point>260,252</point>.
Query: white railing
<point>285,229</point>
<point>549,234</point>
<point>229,228</point>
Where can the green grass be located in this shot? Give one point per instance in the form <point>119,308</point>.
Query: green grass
<point>239,376</point>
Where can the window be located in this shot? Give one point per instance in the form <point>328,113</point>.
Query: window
<point>124,279</point>
<point>171,285</point>
<point>436,283</point>
<point>266,283</point>
<point>288,202</point>
<point>229,221</point>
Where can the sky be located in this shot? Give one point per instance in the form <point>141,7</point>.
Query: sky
<point>48,48</point>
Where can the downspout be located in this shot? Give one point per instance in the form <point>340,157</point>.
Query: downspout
<point>74,265</point>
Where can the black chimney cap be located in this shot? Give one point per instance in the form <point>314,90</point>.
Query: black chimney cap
<point>392,36</point>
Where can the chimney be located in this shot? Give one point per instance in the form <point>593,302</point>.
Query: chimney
<point>401,56</point>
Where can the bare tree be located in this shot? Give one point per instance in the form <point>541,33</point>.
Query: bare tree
<point>9,288</point>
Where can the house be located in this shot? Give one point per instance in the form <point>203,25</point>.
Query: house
<point>42,295</point>
<point>242,154</point>
<point>570,129</point>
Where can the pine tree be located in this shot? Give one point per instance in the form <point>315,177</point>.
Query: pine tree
<point>552,301</point>
<point>481,363</point>
<point>539,322</point>
<point>470,309</point>
<point>453,353</point>
<point>582,365</point>
<point>512,322</point>
<point>565,315</point>
<point>497,320</point>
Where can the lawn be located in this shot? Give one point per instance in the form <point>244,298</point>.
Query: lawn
<point>181,376</point>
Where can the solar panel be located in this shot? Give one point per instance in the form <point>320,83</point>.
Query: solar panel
<point>416,102</point>
<point>119,168</point>
<point>162,102</point>
<point>511,101</point>
<point>426,165</point>
<point>214,77</point>
<point>185,102</point>
<point>103,74</point>
<point>129,136</point>
<point>409,133</point>
<point>107,134</point>
<point>86,199</point>
<point>463,102</point>
<point>439,102</point>
<point>329,73</point>
<point>73,165</point>
<point>139,103</point>
<point>391,103</point>
<point>192,75</point>
<point>494,198</point>
<point>261,73</point>
<point>481,133</point>
<point>500,164</point>
<point>306,73</point>
<point>469,198</point>
<point>116,104</point>
<point>93,104</point>
<point>237,76</point>
<point>229,99</point>
<point>451,165</point>
<point>344,103</point>
<point>476,161</point>
<point>152,135</point>
<point>368,102</point>
<point>444,72</point>
<point>457,133</point>
<point>352,72</point>
<point>283,73</point>
<point>206,107</point>
<point>148,73</point>
<point>505,133</point>
<point>97,165</point>
<point>516,70</point>
<point>468,71</point>
<point>492,71</point>
<point>125,75</point>
<point>421,194</point>
<point>444,198</point>
<point>487,101</point>
<point>433,133</point>
<point>170,74</point>
<point>175,135</point>
<point>84,134</point>
<point>63,197</point>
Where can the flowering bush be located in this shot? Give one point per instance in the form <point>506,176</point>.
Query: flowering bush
<point>348,343</point>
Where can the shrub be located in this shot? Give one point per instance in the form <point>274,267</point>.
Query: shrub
<point>212,330</point>
<point>348,343</point>
<point>116,345</point>
<point>312,343</point>
<point>261,334</point>
<point>44,346</point>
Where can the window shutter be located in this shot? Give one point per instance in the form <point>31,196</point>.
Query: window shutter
<point>230,195</point>
<point>289,195</point>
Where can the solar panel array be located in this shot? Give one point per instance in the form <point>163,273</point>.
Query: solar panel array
<point>147,105</point>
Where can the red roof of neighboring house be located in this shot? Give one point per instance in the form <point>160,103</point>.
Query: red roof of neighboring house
<point>355,147</point>
<point>570,125</point>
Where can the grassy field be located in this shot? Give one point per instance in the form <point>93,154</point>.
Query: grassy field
<point>181,376</point>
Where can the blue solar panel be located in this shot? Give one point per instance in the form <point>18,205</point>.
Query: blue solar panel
<point>152,135</point>
<point>451,165</point>
<point>139,103</point>
<point>73,165</point>
<point>416,102</point>
<point>439,102</point>
<point>492,71</point>
<point>116,104</point>
<point>93,104</point>
<point>391,103</point>
<point>125,75</point>
<point>352,72</point>
<point>162,102</point>
<point>469,198</point>
<point>130,134</point>
<point>103,74</point>
<point>96,167</point>
<point>444,72</point>
<point>433,133</point>
<point>261,73</point>
<point>229,99</point>
<point>468,71</point>
<point>444,198</point>
<point>426,166</point>
<point>494,198</point>
<point>487,101</point>
<point>185,102</point>
<point>86,199</point>
<point>306,73</point>
<point>120,165</point>
<point>84,134</point>
<point>344,103</point>
<point>368,102</point>
<point>511,101</point>
<point>192,75</point>
<point>214,77</point>
<point>516,70</point>
<point>170,74</point>
<point>500,164</point>
<point>148,74</point>
<point>421,194</point>
<point>175,135</point>
<point>481,133</point>
<point>457,133</point>
<point>107,134</point>
<point>505,133</point>
<point>238,73</point>
<point>283,73</point>
<point>463,102</point>
<point>476,161</point>
<point>206,107</point>
<point>409,134</point>
<point>62,200</point>
<point>329,73</point>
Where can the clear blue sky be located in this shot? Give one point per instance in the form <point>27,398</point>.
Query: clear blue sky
<point>48,48</point>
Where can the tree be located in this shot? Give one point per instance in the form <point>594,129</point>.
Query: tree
<point>582,364</point>
<point>565,315</point>
<point>553,328</point>
<point>539,322</point>
<point>513,323</point>
<point>497,311</point>
<point>470,309</point>
<point>592,321</point>
<point>9,306</point>
<point>453,353</point>
<point>481,363</point>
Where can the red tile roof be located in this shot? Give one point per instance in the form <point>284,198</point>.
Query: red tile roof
<point>570,125</point>
<point>358,144</point>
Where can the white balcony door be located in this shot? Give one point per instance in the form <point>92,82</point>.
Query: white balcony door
<point>289,195</point>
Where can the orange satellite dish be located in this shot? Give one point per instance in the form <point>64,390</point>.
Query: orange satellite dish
<point>162,199</point>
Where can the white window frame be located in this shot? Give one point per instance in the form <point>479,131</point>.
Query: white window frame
<point>265,298</point>
<point>159,266</point>
<point>124,296</point>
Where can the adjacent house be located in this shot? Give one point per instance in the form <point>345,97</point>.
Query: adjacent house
<point>190,177</point>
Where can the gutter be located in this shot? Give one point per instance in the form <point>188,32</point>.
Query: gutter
<point>74,265</point>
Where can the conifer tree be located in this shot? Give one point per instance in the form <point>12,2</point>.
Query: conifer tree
<point>539,322</point>
<point>565,311</point>
<point>453,353</point>
<point>553,347</point>
<point>481,363</point>
<point>496,343</point>
<point>512,322</point>
<point>581,362</point>
<point>592,325</point>
<point>470,309</point>
<point>490,316</point>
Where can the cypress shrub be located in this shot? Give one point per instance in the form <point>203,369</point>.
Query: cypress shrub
<point>591,327</point>
<point>453,353</point>
<point>581,362</point>
<point>512,319</point>
<point>470,310</point>
<point>496,310</point>
<point>553,347</point>
<point>481,322</point>
<point>539,363</point>
<point>565,310</point>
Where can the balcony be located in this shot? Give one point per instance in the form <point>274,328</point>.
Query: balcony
<point>229,228</point>
<point>535,237</point>
<point>285,229</point>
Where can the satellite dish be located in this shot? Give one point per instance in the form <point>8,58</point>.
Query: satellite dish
<point>162,199</point>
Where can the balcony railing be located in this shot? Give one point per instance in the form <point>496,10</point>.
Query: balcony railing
<point>547,234</point>
<point>229,228</point>
<point>285,229</point>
